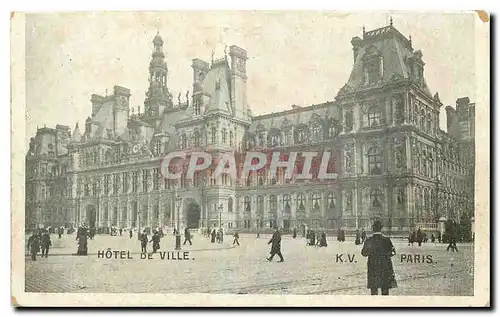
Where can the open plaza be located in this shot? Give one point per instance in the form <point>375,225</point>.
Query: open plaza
<point>226,269</point>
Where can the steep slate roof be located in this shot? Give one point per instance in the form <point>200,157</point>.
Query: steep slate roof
<point>217,84</point>
<point>395,49</point>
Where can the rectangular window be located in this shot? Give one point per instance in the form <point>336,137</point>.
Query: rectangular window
<point>156,178</point>
<point>125,182</point>
<point>116,183</point>
<point>135,181</point>
<point>106,184</point>
<point>145,175</point>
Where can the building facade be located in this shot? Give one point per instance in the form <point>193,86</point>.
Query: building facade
<point>392,160</point>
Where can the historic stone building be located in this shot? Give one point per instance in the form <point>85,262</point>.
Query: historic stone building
<point>392,160</point>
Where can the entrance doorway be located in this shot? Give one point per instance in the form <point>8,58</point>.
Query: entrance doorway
<point>193,215</point>
<point>91,216</point>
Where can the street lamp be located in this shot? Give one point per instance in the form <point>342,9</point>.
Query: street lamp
<point>221,208</point>
<point>178,203</point>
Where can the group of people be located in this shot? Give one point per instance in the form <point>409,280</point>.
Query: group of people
<point>214,234</point>
<point>316,238</point>
<point>360,237</point>
<point>39,241</point>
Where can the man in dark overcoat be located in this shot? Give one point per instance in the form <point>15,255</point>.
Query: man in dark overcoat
<point>358,238</point>
<point>34,245</point>
<point>379,250</point>
<point>46,243</point>
<point>144,242</point>
<point>363,235</point>
<point>187,236</point>
<point>420,237</point>
<point>275,246</point>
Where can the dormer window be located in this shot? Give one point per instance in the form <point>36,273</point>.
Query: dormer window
<point>373,69</point>
<point>374,116</point>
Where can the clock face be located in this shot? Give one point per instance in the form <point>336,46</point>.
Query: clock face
<point>123,101</point>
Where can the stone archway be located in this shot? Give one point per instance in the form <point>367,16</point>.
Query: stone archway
<point>91,216</point>
<point>192,212</point>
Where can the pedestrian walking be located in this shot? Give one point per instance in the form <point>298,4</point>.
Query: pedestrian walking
<point>121,230</point>
<point>46,243</point>
<point>452,238</point>
<point>236,237</point>
<point>322,240</point>
<point>433,238</point>
<point>187,236</point>
<point>275,246</point>
<point>130,233</point>
<point>379,250</point>
<point>144,242</point>
<point>420,237</point>
<point>34,245</point>
<point>358,237</point>
<point>294,234</point>
<point>156,241</point>
<point>363,235</point>
<point>213,236</point>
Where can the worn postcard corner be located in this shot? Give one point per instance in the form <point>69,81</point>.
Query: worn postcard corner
<point>236,158</point>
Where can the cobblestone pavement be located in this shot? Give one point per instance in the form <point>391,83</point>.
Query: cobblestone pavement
<point>245,270</point>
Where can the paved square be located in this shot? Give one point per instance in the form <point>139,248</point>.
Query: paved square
<point>222,269</point>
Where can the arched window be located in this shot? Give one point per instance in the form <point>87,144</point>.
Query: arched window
<point>400,198</point>
<point>422,119</point>
<point>301,202</point>
<point>230,204</point>
<point>374,116</point>
<point>196,138</point>
<point>224,136</point>
<point>246,202</point>
<point>315,201</point>
<point>261,178</point>
<point>287,203</point>
<point>376,198</point>
<point>332,129</point>
<point>375,161</point>
<point>316,130</point>
<point>330,200</point>
<point>273,202</point>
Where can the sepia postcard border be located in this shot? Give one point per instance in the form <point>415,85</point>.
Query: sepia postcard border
<point>482,225</point>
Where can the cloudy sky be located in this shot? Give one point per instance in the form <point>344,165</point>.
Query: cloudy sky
<point>295,57</point>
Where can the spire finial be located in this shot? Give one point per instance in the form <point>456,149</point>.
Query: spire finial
<point>106,92</point>
<point>364,30</point>
<point>390,23</point>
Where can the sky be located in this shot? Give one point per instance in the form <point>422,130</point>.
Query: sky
<point>295,57</point>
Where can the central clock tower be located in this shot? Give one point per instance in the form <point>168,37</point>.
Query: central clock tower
<point>158,98</point>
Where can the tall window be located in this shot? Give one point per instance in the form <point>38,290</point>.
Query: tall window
<point>422,119</point>
<point>375,161</point>
<point>330,200</point>
<point>125,182</point>
<point>301,202</point>
<point>197,106</point>
<point>375,198</point>
<point>212,135</point>
<point>94,189</point>
<point>156,178</point>
<point>429,122</point>
<point>157,147</point>
<point>246,202</point>
<point>400,197</point>
<point>231,138</point>
<point>106,184</point>
<point>224,136</point>
<point>135,181</point>
<point>196,138</point>
<point>315,201</point>
<point>316,130</point>
<point>116,183</point>
<point>273,202</point>
<point>145,175</point>
<point>86,190</point>
<point>230,204</point>
<point>286,202</point>
<point>374,116</point>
